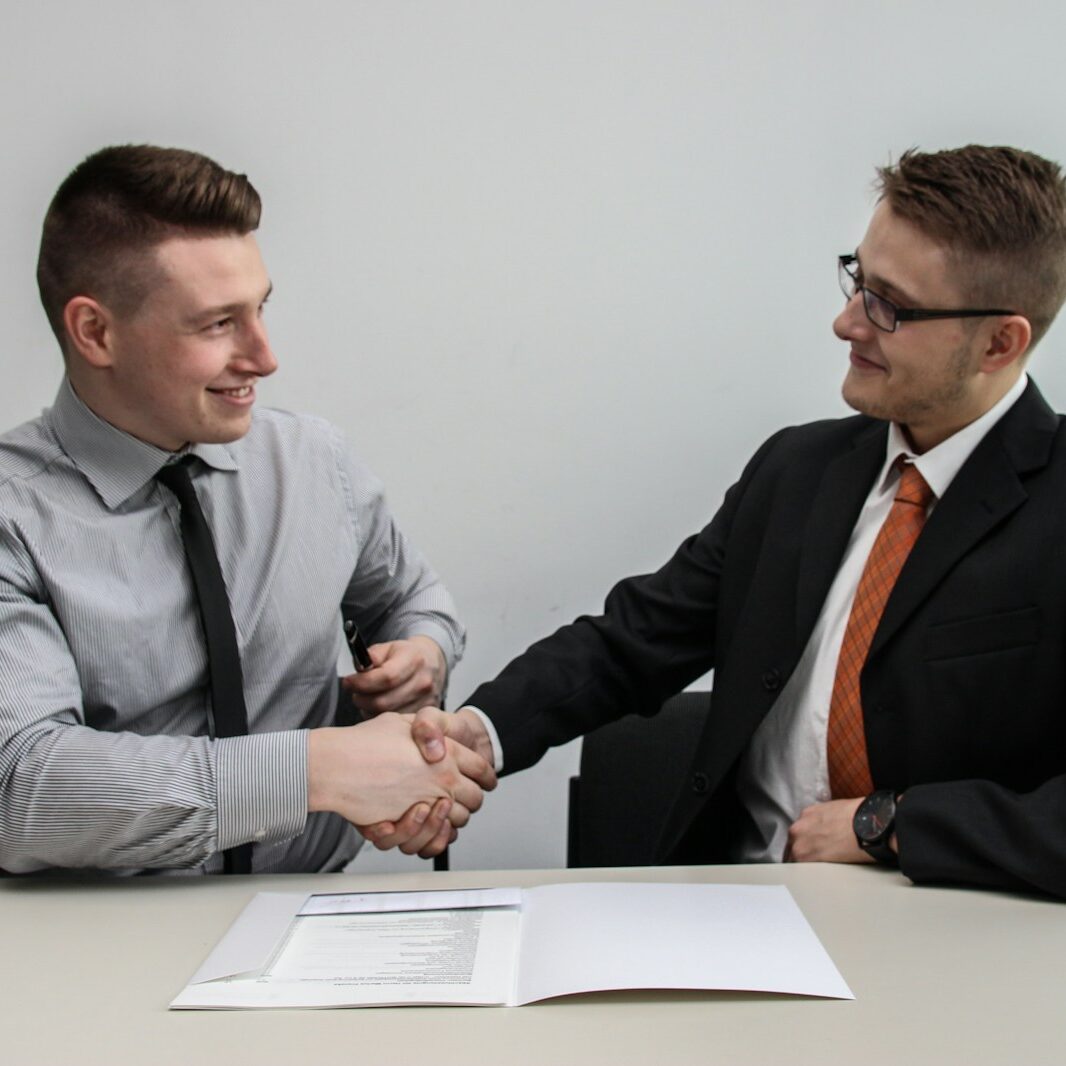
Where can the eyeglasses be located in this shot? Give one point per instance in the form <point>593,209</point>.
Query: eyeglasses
<point>883,313</point>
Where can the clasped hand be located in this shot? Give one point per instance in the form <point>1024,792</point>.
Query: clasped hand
<point>408,676</point>
<point>425,830</point>
<point>374,772</point>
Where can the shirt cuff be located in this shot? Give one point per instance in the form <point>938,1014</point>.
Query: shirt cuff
<point>446,641</point>
<point>494,737</point>
<point>261,787</point>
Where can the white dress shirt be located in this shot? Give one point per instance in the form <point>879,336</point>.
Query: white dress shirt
<point>105,758</point>
<point>785,768</point>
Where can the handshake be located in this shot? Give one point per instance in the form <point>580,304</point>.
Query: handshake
<point>404,779</point>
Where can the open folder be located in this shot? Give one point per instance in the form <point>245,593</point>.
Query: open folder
<point>509,946</point>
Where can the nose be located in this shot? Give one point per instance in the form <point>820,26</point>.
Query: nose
<point>257,354</point>
<point>852,322</point>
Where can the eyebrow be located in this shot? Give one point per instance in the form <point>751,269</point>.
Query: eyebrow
<point>884,287</point>
<point>226,310</point>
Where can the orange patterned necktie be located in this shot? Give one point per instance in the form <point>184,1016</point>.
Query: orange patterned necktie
<point>849,769</point>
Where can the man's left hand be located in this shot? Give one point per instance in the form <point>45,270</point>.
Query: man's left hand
<point>823,833</point>
<point>406,676</point>
<point>423,831</point>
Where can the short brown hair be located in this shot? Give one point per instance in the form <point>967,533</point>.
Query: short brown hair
<point>116,206</point>
<point>1001,213</point>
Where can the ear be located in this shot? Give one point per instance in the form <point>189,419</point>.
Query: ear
<point>1008,342</point>
<point>89,330</point>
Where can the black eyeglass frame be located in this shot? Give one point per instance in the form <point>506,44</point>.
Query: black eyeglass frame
<point>899,314</point>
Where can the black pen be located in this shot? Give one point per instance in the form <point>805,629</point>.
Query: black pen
<point>360,652</point>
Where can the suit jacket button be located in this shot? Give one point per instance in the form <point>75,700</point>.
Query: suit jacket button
<point>700,783</point>
<point>771,680</point>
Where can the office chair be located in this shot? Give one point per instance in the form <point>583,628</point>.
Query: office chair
<point>631,772</point>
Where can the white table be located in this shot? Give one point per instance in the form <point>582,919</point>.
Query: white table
<point>940,975</point>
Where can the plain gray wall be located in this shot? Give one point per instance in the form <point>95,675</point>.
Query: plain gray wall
<point>557,267</point>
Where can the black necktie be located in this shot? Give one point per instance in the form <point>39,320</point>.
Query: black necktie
<point>229,714</point>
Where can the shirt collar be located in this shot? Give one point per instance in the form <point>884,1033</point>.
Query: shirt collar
<point>939,465</point>
<point>116,464</point>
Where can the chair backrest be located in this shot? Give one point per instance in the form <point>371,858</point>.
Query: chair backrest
<point>631,772</point>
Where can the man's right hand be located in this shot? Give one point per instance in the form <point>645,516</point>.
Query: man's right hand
<point>373,772</point>
<point>422,831</point>
<point>431,726</point>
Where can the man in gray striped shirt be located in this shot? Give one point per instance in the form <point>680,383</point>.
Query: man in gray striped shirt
<point>153,283</point>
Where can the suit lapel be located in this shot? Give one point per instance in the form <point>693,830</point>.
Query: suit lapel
<point>985,491</point>
<point>835,509</point>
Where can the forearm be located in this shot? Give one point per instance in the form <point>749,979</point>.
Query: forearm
<point>421,608</point>
<point>76,797</point>
<point>658,633</point>
<point>656,636</point>
<point>979,833</point>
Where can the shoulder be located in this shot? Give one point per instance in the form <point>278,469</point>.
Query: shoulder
<point>305,449</point>
<point>287,438</point>
<point>27,452</point>
<point>831,432</point>
<point>275,422</point>
<point>814,443</point>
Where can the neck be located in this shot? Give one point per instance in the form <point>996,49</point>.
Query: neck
<point>924,437</point>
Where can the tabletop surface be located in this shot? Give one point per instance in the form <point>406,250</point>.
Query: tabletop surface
<point>940,976</point>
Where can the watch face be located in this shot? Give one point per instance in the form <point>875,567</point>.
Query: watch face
<point>875,816</point>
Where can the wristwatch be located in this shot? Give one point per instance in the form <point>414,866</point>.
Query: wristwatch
<point>875,822</point>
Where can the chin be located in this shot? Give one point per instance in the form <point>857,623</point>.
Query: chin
<point>853,398</point>
<point>226,434</point>
<point>857,400</point>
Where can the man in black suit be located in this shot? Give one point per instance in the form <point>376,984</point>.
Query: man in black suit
<point>958,727</point>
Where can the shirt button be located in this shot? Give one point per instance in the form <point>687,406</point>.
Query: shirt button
<point>260,834</point>
<point>700,783</point>
<point>771,680</point>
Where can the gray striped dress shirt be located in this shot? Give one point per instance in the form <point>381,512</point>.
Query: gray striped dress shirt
<point>105,761</point>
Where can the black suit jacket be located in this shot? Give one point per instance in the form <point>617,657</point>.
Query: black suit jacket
<point>964,689</point>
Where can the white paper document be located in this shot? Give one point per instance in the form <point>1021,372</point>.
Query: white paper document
<point>507,947</point>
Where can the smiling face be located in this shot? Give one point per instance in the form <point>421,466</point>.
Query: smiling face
<point>931,377</point>
<point>183,367</point>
